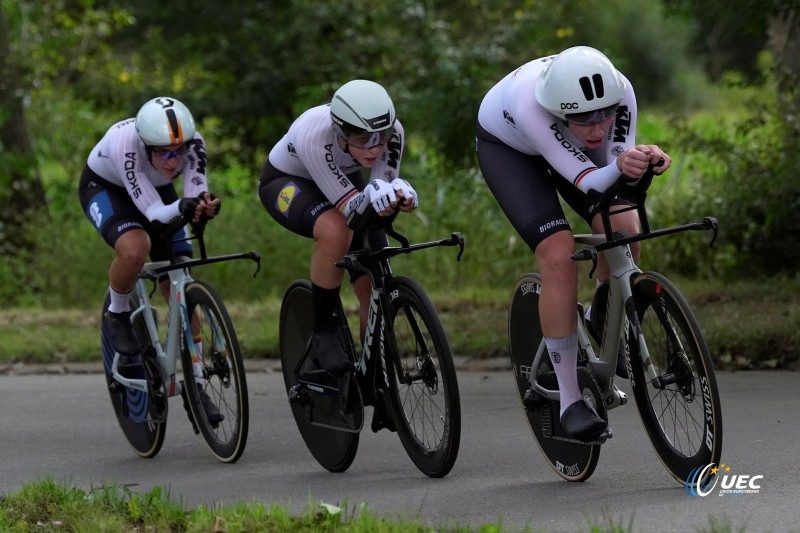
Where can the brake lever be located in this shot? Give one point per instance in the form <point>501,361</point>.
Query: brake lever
<point>587,254</point>
<point>457,238</point>
<point>711,223</point>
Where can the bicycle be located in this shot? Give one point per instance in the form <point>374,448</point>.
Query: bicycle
<point>199,330</point>
<point>651,325</point>
<point>405,370</point>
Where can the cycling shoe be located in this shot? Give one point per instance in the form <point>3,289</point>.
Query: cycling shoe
<point>329,351</point>
<point>119,328</point>
<point>580,422</point>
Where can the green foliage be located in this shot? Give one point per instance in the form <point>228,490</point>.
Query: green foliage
<point>248,70</point>
<point>743,170</point>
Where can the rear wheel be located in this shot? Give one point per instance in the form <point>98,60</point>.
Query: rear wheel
<point>333,449</point>
<point>218,377</point>
<point>680,408</point>
<point>131,406</point>
<point>570,459</point>
<point>422,381</point>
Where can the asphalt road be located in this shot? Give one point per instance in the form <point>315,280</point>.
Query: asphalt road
<point>62,427</point>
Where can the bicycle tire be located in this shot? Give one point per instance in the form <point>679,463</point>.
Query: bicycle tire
<point>224,382</point>
<point>685,433</point>
<point>131,406</point>
<point>423,386</point>
<point>333,450</point>
<point>571,460</point>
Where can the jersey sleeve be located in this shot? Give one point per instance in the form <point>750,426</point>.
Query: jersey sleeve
<point>195,180</point>
<point>129,162</point>
<point>388,167</point>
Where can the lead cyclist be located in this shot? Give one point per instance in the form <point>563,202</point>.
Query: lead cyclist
<point>563,125</point>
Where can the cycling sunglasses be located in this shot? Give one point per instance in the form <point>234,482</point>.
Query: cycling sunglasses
<point>365,140</point>
<point>167,154</point>
<point>592,117</point>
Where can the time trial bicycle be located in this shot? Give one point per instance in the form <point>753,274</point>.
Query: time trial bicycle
<point>201,336</point>
<point>405,371</point>
<point>649,324</point>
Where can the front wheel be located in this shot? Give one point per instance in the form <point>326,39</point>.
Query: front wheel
<point>423,387</point>
<point>680,407</point>
<point>216,380</point>
<point>131,406</point>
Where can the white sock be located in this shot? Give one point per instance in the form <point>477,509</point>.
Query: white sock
<point>120,301</point>
<point>564,356</point>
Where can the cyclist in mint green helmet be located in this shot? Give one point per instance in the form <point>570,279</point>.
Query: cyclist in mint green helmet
<point>337,163</point>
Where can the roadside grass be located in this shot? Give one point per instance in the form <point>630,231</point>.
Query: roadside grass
<point>748,324</point>
<point>47,505</point>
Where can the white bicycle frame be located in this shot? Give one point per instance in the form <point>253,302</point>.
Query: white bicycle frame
<point>177,317</point>
<point>603,366</point>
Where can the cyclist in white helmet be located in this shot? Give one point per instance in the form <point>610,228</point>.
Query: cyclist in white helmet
<point>127,191</point>
<point>562,125</point>
<point>336,163</point>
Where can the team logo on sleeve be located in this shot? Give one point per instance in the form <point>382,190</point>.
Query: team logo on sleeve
<point>285,198</point>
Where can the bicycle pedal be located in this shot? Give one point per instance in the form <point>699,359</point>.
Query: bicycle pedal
<point>533,401</point>
<point>607,434</point>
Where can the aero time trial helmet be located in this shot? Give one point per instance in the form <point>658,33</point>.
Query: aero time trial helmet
<point>580,85</point>
<point>363,113</point>
<point>164,121</point>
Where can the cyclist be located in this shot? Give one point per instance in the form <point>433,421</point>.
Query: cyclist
<point>127,192</point>
<point>312,184</point>
<point>563,124</point>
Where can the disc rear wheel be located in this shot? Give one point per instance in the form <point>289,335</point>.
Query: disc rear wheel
<point>570,459</point>
<point>333,449</point>
<point>131,406</point>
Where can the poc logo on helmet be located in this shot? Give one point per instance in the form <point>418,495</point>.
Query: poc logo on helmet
<point>570,105</point>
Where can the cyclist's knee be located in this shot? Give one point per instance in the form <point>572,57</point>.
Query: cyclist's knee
<point>554,253</point>
<point>331,229</point>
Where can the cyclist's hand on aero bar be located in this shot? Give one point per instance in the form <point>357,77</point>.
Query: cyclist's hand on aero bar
<point>210,203</point>
<point>407,199</point>
<point>190,209</point>
<point>634,162</point>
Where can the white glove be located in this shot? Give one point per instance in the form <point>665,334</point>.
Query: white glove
<point>399,184</point>
<point>379,193</point>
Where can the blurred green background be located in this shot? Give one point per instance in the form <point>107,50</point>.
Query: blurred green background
<point>717,84</point>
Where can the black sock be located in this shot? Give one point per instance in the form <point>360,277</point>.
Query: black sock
<point>324,302</point>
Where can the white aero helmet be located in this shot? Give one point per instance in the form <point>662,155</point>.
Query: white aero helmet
<point>164,121</point>
<point>364,109</point>
<point>580,85</point>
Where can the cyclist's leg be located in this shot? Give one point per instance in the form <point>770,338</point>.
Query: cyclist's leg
<point>526,190</point>
<point>298,205</point>
<point>120,224</point>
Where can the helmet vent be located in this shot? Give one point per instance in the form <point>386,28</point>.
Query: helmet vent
<point>174,127</point>
<point>592,89</point>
